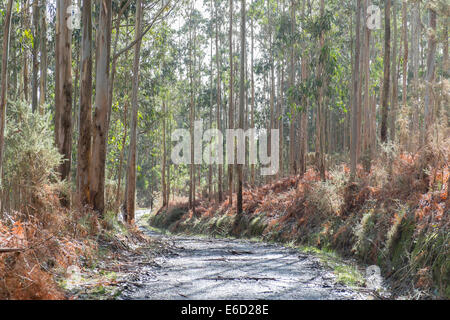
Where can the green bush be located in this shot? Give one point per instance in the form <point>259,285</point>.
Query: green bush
<point>31,158</point>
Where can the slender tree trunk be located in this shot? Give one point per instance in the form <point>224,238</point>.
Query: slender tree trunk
<point>132,155</point>
<point>43,65</point>
<point>100,123</point>
<point>211,85</point>
<point>386,78</point>
<point>367,106</point>
<point>304,121</point>
<point>415,63</point>
<point>252,121</point>
<point>26,26</point>
<point>36,42</point>
<point>355,106</point>
<point>230,108</point>
<point>292,165</point>
<point>163,164</point>
<point>64,97</point>
<point>405,53</point>
<point>272,84</point>
<point>85,117</point>
<point>242,99</point>
<point>394,75</point>
<point>446,72</point>
<point>304,114</point>
<point>431,63</point>
<point>218,113</point>
<point>4,82</point>
<point>192,113</point>
<point>320,117</point>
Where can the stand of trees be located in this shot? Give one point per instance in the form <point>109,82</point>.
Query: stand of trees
<point>335,88</point>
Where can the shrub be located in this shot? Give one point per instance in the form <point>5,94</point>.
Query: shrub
<point>31,158</point>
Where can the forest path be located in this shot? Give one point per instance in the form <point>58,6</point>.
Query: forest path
<point>207,268</point>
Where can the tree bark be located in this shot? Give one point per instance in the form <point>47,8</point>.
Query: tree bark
<point>100,124</point>
<point>132,155</point>
<point>355,106</point>
<point>431,63</point>
<point>386,77</point>
<point>230,102</point>
<point>242,99</point>
<point>36,42</point>
<point>63,102</point>
<point>85,116</point>
<point>4,81</point>
<point>405,53</point>
<point>26,26</point>
<point>252,114</point>
<point>292,165</point>
<point>394,76</point>
<point>218,111</point>
<point>367,107</point>
<point>320,116</point>
<point>163,161</point>
<point>43,65</point>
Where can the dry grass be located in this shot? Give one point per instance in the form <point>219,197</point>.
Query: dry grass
<point>396,215</point>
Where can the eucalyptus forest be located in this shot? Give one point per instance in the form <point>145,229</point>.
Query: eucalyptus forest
<point>130,128</point>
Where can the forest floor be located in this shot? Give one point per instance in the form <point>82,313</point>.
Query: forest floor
<point>394,217</point>
<point>224,268</point>
<point>167,266</point>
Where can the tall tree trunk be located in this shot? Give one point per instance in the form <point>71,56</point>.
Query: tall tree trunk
<point>252,121</point>
<point>272,84</point>
<point>320,116</point>
<point>431,63</point>
<point>163,160</point>
<point>132,154</point>
<point>211,85</point>
<point>43,65</point>
<point>446,72</point>
<point>36,42</point>
<point>64,97</point>
<point>4,82</point>
<point>415,64</point>
<point>242,99</point>
<point>405,53</point>
<point>26,26</point>
<point>367,107</point>
<point>394,76</point>
<point>386,77</point>
<point>85,116</point>
<point>218,111</point>
<point>304,113</point>
<point>292,165</point>
<point>355,106</point>
<point>230,108</point>
<point>100,123</point>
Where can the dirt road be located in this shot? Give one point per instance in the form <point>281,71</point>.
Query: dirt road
<point>205,268</point>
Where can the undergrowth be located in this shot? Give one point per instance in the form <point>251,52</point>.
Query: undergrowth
<point>395,216</point>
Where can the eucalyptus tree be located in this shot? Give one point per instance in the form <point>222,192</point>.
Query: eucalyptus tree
<point>4,80</point>
<point>100,126</point>
<point>63,89</point>
<point>387,66</point>
<point>242,99</point>
<point>85,113</point>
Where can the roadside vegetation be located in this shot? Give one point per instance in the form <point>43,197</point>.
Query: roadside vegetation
<point>394,216</point>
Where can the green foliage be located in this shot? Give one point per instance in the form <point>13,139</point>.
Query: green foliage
<point>31,157</point>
